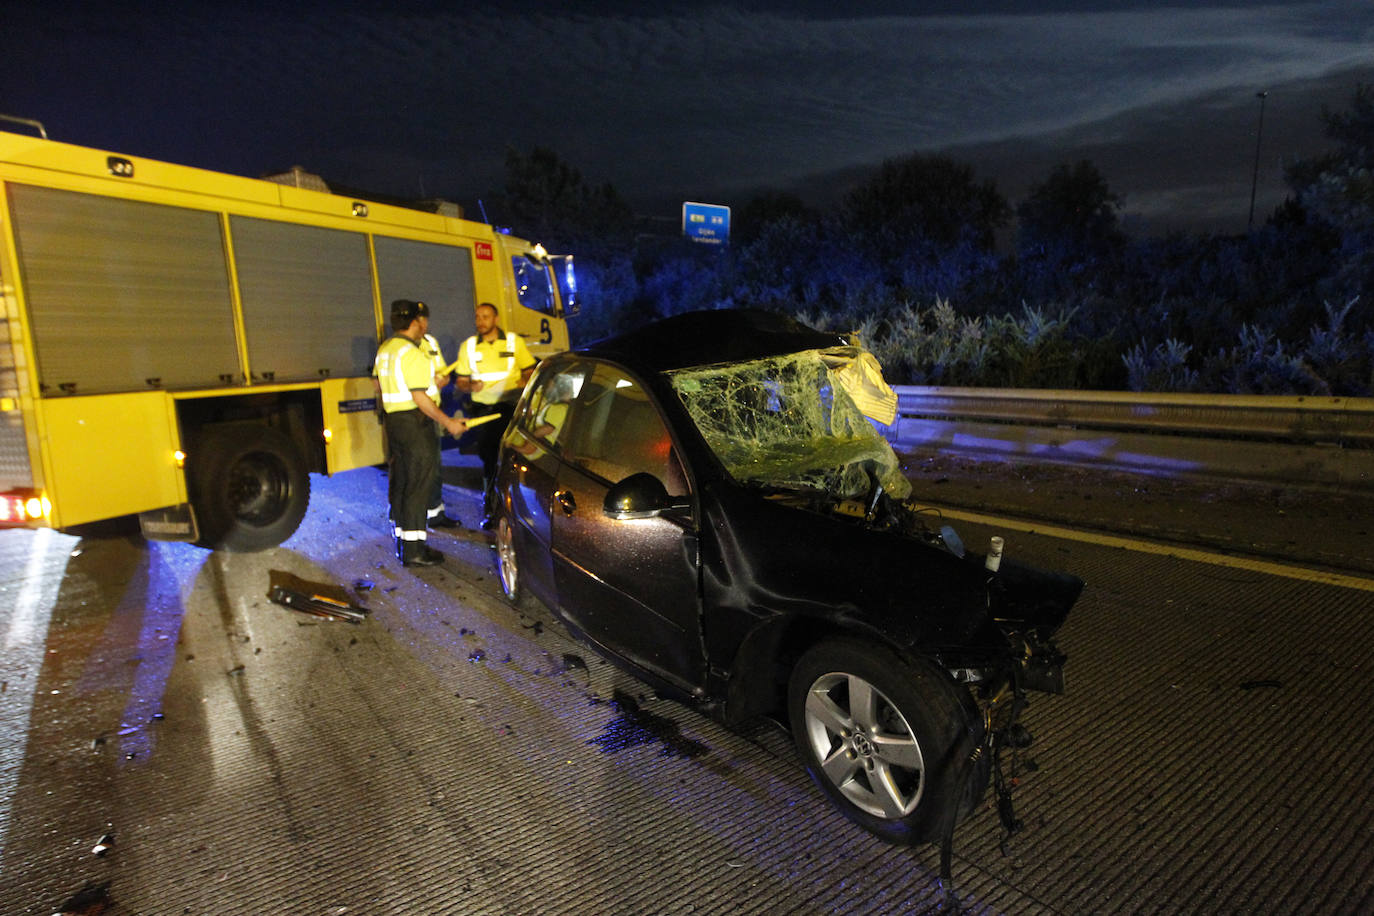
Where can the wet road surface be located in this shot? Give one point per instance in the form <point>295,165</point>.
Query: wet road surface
<point>176,743</point>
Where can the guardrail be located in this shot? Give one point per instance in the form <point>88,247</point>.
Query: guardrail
<point>1302,440</point>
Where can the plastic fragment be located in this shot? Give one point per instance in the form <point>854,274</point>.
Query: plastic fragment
<point>317,605</point>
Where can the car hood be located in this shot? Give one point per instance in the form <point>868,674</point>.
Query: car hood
<point>768,554</point>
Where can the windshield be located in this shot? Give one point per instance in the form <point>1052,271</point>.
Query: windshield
<point>563,275</point>
<point>533,286</point>
<point>787,421</point>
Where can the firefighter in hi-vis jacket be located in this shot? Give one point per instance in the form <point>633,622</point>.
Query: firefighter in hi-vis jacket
<point>493,367</point>
<point>409,399</point>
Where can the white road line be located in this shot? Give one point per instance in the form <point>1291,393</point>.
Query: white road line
<point>25,617</point>
<point>26,637</point>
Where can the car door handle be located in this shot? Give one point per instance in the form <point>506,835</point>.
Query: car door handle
<point>565,499</point>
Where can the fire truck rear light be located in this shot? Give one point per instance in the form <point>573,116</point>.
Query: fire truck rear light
<point>18,508</point>
<point>179,458</point>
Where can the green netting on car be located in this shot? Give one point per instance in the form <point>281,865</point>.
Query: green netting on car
<point>785,421</point>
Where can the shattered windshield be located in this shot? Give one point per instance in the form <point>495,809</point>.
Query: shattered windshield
<point>787,421</point>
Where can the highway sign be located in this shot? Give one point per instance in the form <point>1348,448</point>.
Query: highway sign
<point>707,223</point>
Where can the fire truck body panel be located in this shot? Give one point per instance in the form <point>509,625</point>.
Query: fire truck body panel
<point>150,309</point>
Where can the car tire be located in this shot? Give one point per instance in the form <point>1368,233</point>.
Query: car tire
<point>886,739</point>
<point>507,560</point>
<point>249,486</point>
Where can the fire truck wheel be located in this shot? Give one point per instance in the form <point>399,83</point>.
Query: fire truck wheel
<point>249,485</point>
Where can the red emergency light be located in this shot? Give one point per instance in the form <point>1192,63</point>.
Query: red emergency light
<point>20,508</point>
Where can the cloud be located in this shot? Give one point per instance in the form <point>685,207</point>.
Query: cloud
<point>736,99</point>
<point>675,100</point>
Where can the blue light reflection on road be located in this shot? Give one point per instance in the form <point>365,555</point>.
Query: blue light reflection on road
<point>152,608</point>
<point>943,437</point>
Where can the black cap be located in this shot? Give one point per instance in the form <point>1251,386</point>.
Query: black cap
<point>404,311</point>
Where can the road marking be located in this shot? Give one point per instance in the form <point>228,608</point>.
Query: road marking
<point>1183,553</point>
<point>24,619</point>
<point>26,637</point>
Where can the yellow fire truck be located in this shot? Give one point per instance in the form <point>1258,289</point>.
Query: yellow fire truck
<point>189,346</point>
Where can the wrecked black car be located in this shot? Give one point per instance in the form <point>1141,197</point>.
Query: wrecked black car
<point>704,503</point>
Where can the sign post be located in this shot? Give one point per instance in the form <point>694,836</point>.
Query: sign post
<point>706,223</point>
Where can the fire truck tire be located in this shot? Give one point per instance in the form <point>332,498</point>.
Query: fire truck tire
<point>250,487</point>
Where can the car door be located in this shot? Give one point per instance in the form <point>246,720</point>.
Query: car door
<point>529,474</point>
<point>631,585</point>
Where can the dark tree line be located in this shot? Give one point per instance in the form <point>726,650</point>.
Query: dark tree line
<point>910,260</point>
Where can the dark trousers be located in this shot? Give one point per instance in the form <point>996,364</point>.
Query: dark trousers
<point>489,445</point>
<point>413,468</point>
<point>436,495</point>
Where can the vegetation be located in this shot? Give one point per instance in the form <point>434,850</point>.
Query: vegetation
<point>910,261</point>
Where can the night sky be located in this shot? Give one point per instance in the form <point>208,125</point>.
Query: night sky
<point>705,101</point>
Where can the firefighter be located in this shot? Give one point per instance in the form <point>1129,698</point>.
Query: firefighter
<point>409,396</point>
<point>493,367</point>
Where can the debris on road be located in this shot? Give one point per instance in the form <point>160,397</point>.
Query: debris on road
<point>317,605</point>
<point>103,845</point>
<point>314,599</point>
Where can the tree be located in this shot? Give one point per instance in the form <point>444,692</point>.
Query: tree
<point>930,199</point>
<point>546,198</point>
<point>766,208</point>
<point>1337,190</point>
<point>1072,213</point>
<point>1338,186</point>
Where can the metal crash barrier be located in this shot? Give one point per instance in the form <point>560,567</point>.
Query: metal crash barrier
<point>1302,440</point>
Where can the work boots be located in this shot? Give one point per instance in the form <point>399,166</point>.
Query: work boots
<point>419,553</point>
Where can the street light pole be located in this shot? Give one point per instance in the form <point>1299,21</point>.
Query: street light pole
<point>1254,178</point>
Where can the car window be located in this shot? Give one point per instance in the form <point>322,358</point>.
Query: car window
<point>616,431</point>
<point>546,413</point>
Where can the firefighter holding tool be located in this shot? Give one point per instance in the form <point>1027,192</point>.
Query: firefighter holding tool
<point>409,398</point>
<point>493,367</point>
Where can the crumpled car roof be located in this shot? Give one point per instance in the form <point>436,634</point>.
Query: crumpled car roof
<point>707,337</point>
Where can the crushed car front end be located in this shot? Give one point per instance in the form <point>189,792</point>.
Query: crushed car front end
<point>810,536</point>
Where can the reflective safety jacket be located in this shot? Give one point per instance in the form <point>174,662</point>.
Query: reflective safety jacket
<point>430,345</point>
<point>402,366</point>
<point>498,364</point>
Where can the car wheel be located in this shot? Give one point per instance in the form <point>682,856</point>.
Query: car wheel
<point>886,738</point>
<point>249,486</point>
<point>507,561</point>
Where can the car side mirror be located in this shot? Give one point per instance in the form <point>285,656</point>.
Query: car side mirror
<point>640,495</point>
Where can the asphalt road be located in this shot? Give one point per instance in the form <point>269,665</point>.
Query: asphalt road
<point>1320,527</point>
<point>174,742</point>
